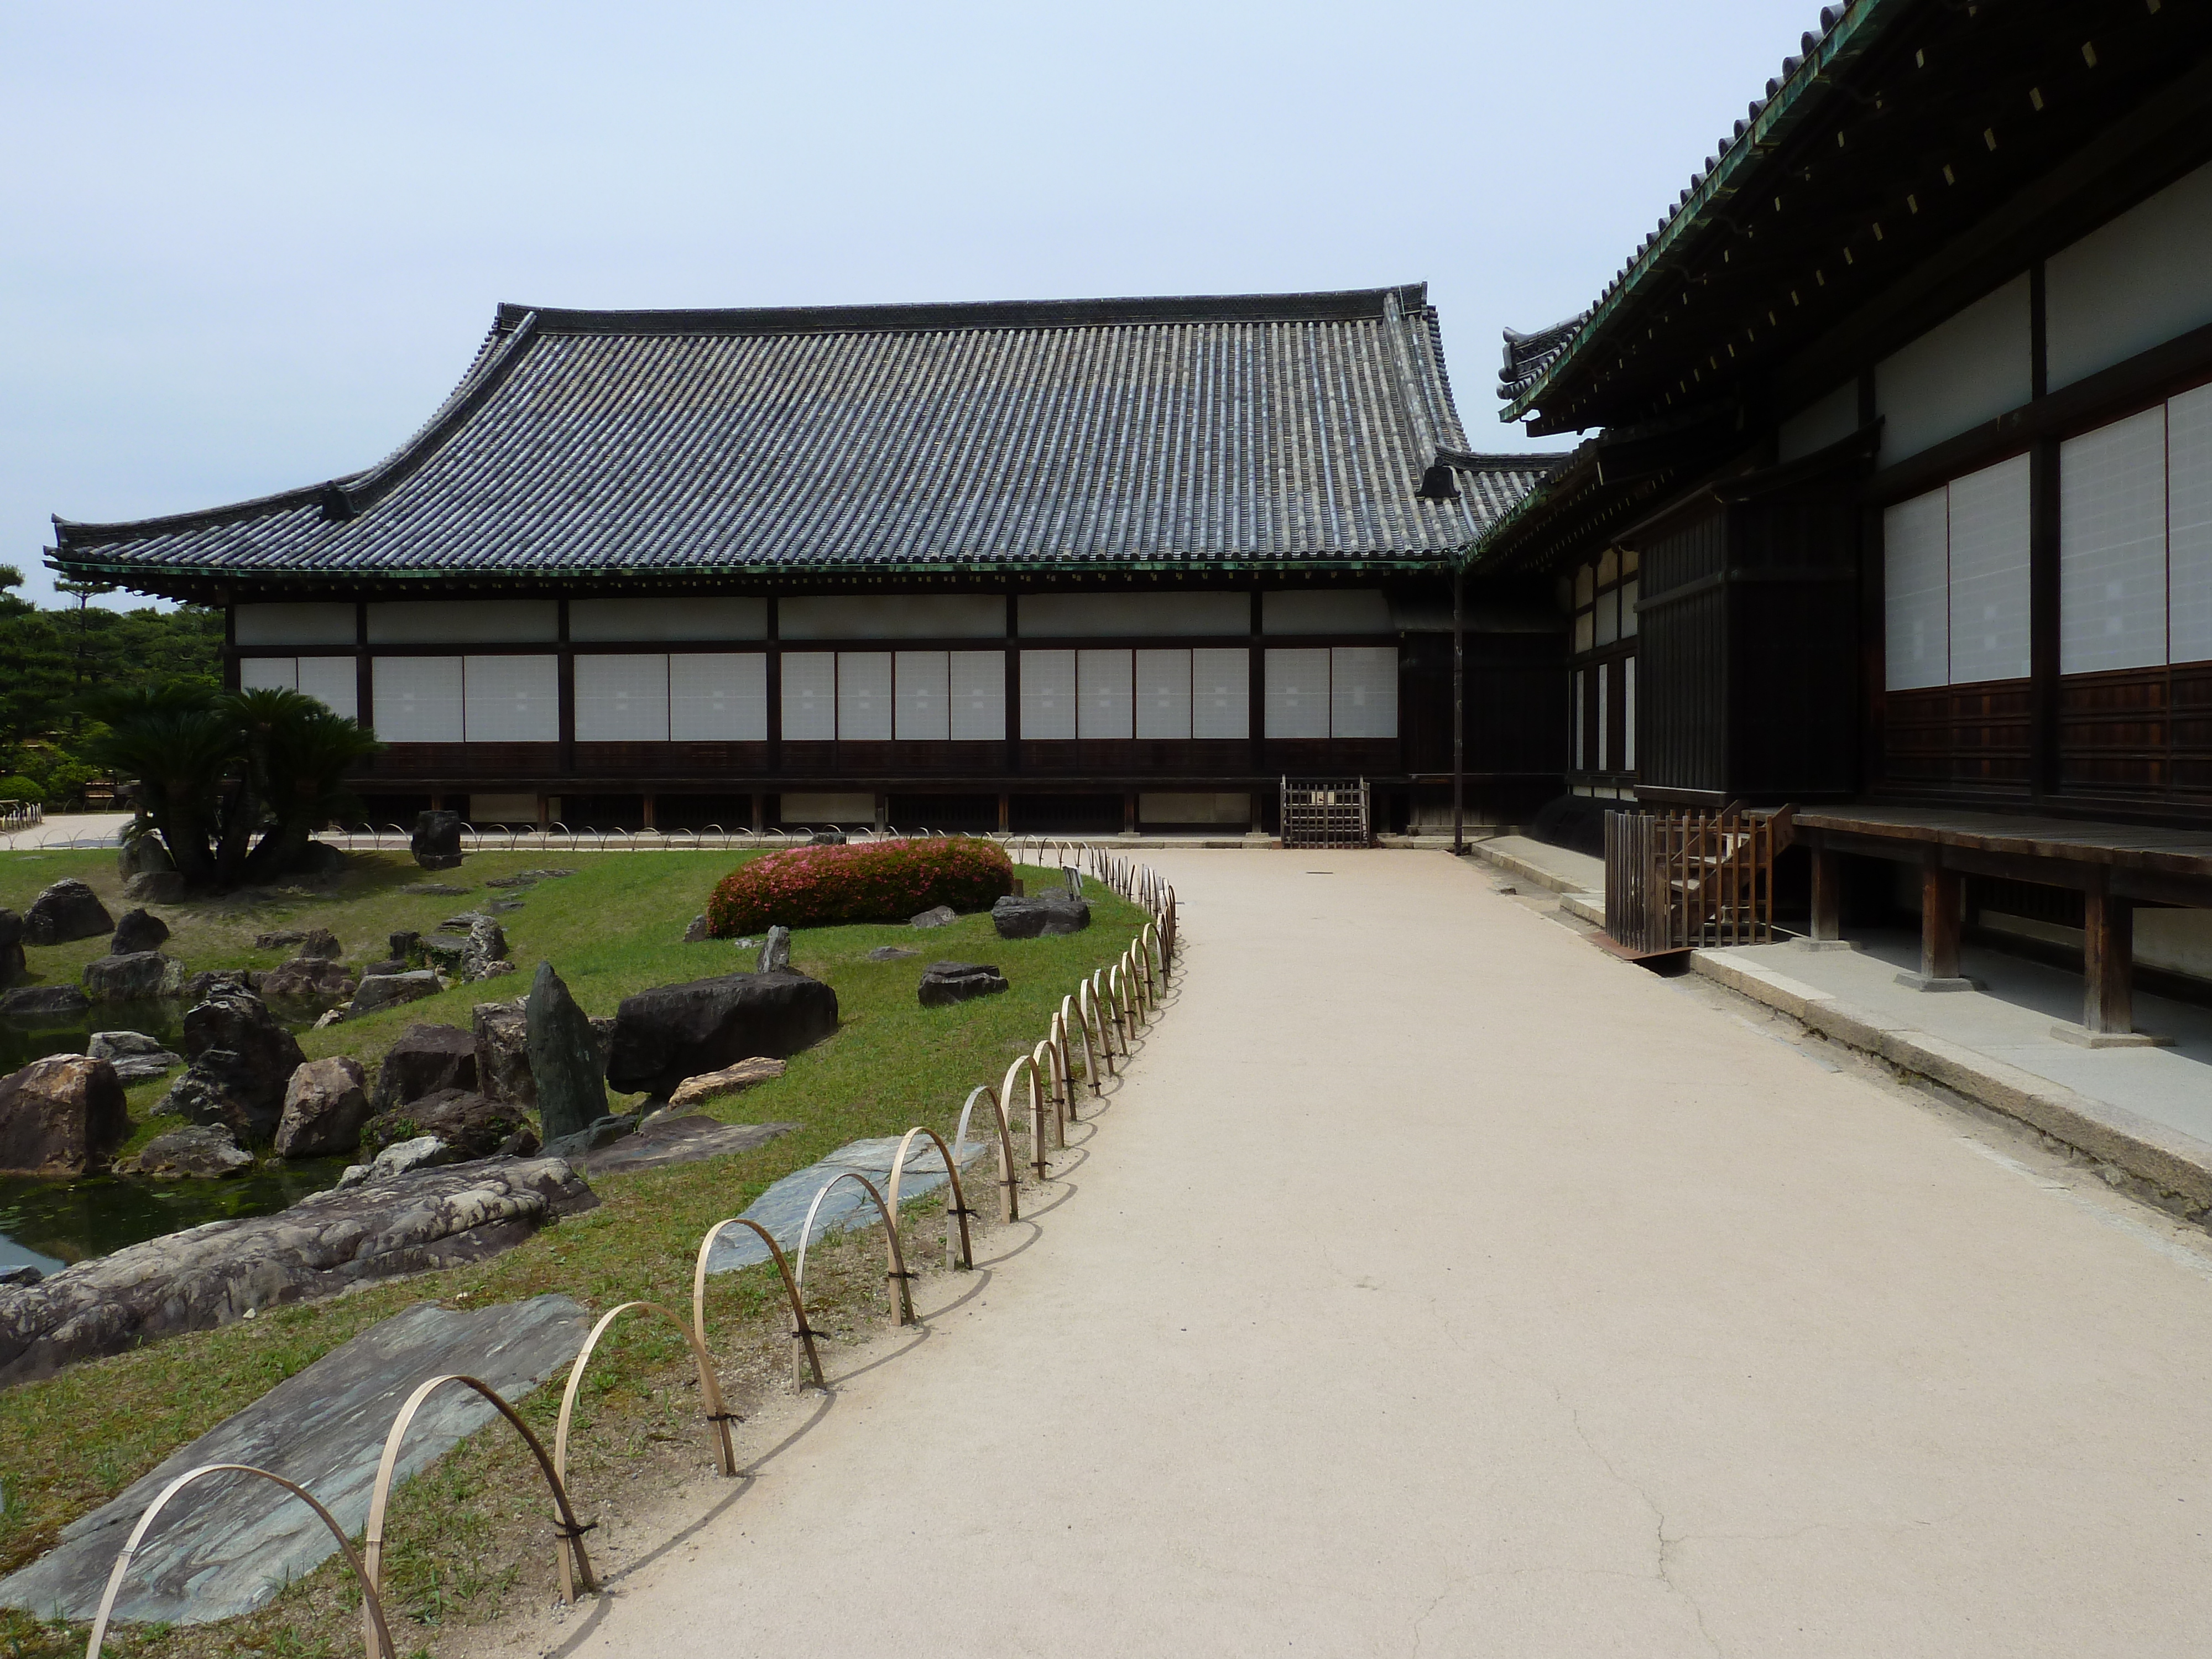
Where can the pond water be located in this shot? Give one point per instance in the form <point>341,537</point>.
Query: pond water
<point>51,1223</point>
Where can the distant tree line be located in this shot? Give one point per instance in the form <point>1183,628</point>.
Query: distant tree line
<point>50,658</point>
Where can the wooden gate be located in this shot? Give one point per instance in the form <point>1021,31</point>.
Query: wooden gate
<point>1675,881</point>
<point>1324,813</point>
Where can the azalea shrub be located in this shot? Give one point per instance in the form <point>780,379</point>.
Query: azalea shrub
<point>871,881</point>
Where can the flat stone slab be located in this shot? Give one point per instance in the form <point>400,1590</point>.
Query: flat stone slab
<point>226,1546</point>
<point>679,1140</point>
<point>782,1208</point>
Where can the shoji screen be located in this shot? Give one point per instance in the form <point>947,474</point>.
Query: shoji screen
<point>1105,697</point>
<point>1163,694</point>
<point>864,696</point>
<point>1989,574</point>
<point>331,682</point>
<point>718,696</point>
<point>978,688</point>
<point>921,684</point>
<point>1364,691</point>
<point>419,699</point>
<point>1221,693</point>
<point>1916,593</point>
<point>2111,546</point>
<point>1298,693</point>
<point>269,673</point>
<point>622,698</point>
<point>810,696</point>
<point>1047,695</point>
<point>513,699</point>
<point>2189,512</point>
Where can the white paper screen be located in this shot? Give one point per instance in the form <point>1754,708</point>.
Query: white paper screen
<point>2111,546</point>
<point>1628,715</point>
<point>1298,693</point>
<point>1989,574</point>
<point>333,683</point>
<point>1105,697</point>
<point>1916,593</point>
<point>1163,694</point>
<point>268,674</point>
<point>513,699</point>
<point>622,698</point>
<point>1364,691</point>
<point>979,696</point>
<point>718,696</point>
<point>922,686</point>
<point>417,699</point>
<point>2189,510</point>
<point>1221,693</point>
<point>1048,694</point>
<point>810,696</point>
<point>864,696</point>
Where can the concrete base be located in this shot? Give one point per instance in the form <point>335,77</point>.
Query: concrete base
<point>1825,944</point>
<point>1932,983</point>
<point>2082,1037</point>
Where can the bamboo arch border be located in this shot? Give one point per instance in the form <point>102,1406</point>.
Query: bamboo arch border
<point>895,1276</point>
<point>1009,1189</point>
<point>959,1252</point>
<point>1036,1108</point>
<point>802,1332</point>
<point>1069,1012</point>
<point>378,1634</point>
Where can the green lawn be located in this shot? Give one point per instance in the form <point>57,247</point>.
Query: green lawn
<point>613,927</point>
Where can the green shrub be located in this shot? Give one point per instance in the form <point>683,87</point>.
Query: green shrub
<point>22,789</point>
<point>875,881</point>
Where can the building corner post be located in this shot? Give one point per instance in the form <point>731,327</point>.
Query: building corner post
<point>1458,711</point>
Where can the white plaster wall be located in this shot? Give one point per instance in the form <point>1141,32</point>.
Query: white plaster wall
<point>893,616</point>
<point>2132,283</point>
<point>293,624</point>
<point>1828,419</point>
<point>1096,616</point>
<point>668,619</point>
<point>1328,611</point>
<point>464,621</point>
<point>1967,370</point>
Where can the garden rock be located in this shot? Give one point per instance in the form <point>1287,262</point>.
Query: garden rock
<point>137,1058</point>
<point>209,981</point>
<point>502,1034</point>
<point>218,1087</point>
<point>156,887</point>
<point>471,1125</point>
<point>423,1152</point>
<point>390,990</point>
<point>61,1116</point>
<point>143,855</point>
<point>447,952</point>
<point>942,915</point>
<point>66,911</point>
<point>425,1059</point>
<point>13,963</point>
<point>141,976</point>
<point>312,983</point>
<point>673,1032</point>
<point>1047,914</point>
<point>775,951</point>
<point>139,930</point>
<point>944,983</point>
<point>436,842</point>
<point>267,1054</point>
<point>320,943</point>
<point>567,1065</point>
<point>434,889</point>
<point>891,953</point>
<point>280,941</point>
<point>404,944</point>
<point>826,838</point>
<point>325,1104</point>
<point>577,1147</point>
<point>485,954</point>
<point>696,932</point>
<point>214,1275</point>
<point>23,1273</point>
<point>730,1080</point>
<point>35,1002</point>
<point>198,1153</point>
<point>666,1137</point>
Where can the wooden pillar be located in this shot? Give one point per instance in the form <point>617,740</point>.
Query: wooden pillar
<point>1939,920</point>
<point>651,801</point>
<point>1006,812</point>
<point>2108,931</point>
<point>759,805</point>
<point>1827,895</point>
<point>1128,812</point>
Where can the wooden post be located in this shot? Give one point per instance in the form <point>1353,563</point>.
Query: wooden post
<point>1939,920</point>
<point>1827,894</point>
<point>651,802</point>
<point>2108,928</point>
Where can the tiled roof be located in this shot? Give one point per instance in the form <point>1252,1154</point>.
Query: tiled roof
<point>1290,430</point>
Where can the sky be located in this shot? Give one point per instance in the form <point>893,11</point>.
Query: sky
<point>246,248</point>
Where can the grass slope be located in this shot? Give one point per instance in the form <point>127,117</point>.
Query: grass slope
<point>615,927</point>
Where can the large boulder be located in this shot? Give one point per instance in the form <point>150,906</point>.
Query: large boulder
<point>65,911</point>
<point>944,983</point>
<point>325,1104</point>
<point>503,1033</point>
<point>209,981</point>
<point>390,990</point>
<point>436,842</point>
<point>136,1057</point>
<point>31,1005</point>
<point>139,930</point>
<point>1052,912</point>
<point>309,984</point>
<point>143,855</point>
<point>60,1116</point>
<point>321,943</point>
<point>566,1065</point>
<point>141,976</point>
<point>156,887</point>
<point>472,1124</point>
<point>13,963</point>
<point>423,1061</point>
<point>775,951</point>
<point>677,1031</point>
<point>200,1151</point>
<point>938,916</point>
<point>266,1054</point>
<point>218,1087</point>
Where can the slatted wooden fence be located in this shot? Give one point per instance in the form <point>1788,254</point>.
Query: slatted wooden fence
<point>1319,813</point>
<point>1675,881</point>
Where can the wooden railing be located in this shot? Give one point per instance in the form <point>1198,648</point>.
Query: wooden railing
<point>1675,881</point>
<point>1318,812</point>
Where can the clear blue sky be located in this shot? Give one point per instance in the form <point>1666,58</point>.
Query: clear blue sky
<point>244,247</point>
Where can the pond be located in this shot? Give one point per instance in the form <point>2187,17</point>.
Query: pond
<point>51,1223</point>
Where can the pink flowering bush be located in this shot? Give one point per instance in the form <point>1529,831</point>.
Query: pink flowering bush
<point>875,881</point>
